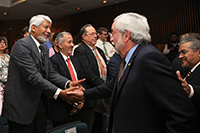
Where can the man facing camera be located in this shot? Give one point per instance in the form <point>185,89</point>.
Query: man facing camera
<point>68,66</point>
<point>31,79</point>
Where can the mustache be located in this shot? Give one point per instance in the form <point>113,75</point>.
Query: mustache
<point>47,34</point>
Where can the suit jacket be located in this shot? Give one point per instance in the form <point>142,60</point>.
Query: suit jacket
<point>90,67</point>
<point>59,109</point>
<point>193,80</point>
<point>26,83</point>
<point>148,98</point>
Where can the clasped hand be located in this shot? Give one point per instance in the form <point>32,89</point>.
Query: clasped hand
<point>74,93</point>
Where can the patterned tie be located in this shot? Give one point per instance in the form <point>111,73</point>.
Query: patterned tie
<point>71,70</point>
<point>102,67</point>
<point>188,74</point>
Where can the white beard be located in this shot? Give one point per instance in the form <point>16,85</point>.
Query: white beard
<point>42,39</point>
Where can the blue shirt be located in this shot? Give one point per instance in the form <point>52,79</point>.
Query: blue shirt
<point>48,44</point>
<point>129,55</point>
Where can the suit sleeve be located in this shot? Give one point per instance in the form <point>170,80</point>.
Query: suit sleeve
<point>92,78</point>
<point>28,64</point>
<point>102,91</point>
<point>165,90</point>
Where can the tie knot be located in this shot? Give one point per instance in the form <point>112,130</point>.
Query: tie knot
<point>68,59</point>
<point>188,74</point>
<point>41,48</point>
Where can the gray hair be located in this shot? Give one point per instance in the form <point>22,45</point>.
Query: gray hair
<point>136,24</point>
<point>187,36</point>
<point>60,36</point>
<point>38,20</point>
<point>195,43</point>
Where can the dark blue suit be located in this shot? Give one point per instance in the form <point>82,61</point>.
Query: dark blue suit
<point>148,98</point>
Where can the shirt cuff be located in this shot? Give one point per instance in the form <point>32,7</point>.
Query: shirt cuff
<point>191,91</point>
<point>67,84</point>
<point>57,93</point>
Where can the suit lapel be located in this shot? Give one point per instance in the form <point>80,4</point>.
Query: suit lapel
<point>34,48</point>
<point>126,72</point>
<point>63,63</point>
<point>89,51</point>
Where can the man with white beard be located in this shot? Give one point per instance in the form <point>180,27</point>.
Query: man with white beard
<point>31,79</point>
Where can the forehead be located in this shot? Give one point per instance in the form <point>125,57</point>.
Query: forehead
<point>104,31</point>
<point>67,36</point>
<point>90,29</point>
<point>185,45</point>
<point>45,22</point>
<point>174,35</point>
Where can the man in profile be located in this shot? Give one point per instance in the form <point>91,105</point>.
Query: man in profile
<point>147,97</point>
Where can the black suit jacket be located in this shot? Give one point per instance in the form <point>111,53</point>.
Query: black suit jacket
<point>59,109</point>
<point>89,65</point>
<point>25,82</point>
<point>149,97</point>
<point>193,80</point>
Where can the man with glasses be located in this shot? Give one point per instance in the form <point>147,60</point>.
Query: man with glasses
<point>93,63</point>
<point>189,55</point>
<point>103,44</point>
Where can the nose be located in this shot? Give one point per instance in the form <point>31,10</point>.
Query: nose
<point>111,38</point>
<point>180,56</point>
<point>72,44</point>
<point>49,30</point>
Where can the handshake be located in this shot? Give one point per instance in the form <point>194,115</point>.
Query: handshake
<point>74,95</point>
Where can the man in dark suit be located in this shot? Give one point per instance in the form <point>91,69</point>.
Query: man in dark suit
<point>148,97</point>
<point>190,59</point>
<point>31,78</point>
<point>91,65</point>
<point>61,111</point>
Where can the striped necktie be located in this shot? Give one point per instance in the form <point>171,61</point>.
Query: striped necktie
<point>102,67</point>
<point>71,70</point>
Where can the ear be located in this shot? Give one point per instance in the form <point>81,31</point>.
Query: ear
<point>59,45</point>
<point>127,35</point>
<point>33,28</point>
<point>83,36</point>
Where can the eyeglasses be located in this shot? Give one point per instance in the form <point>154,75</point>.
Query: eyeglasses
<point>92,34</point>
<point>2,42</point>
<point>183,52</point>
<point>105,34</point>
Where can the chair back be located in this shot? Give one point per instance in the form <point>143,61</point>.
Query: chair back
<point>73,127</point>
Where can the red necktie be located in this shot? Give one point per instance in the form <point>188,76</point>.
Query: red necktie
<point>102,67</point>
<point>71,70</point>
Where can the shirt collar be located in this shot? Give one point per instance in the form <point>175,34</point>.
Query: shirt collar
<point>195,66</point>
<point>64,56</point>
<point>36,42</point>
<point>130,53</point>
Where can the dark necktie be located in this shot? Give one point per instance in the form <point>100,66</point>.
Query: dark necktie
<point>42,58</point>
<point>121,69</point>
<point>41,52</point>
